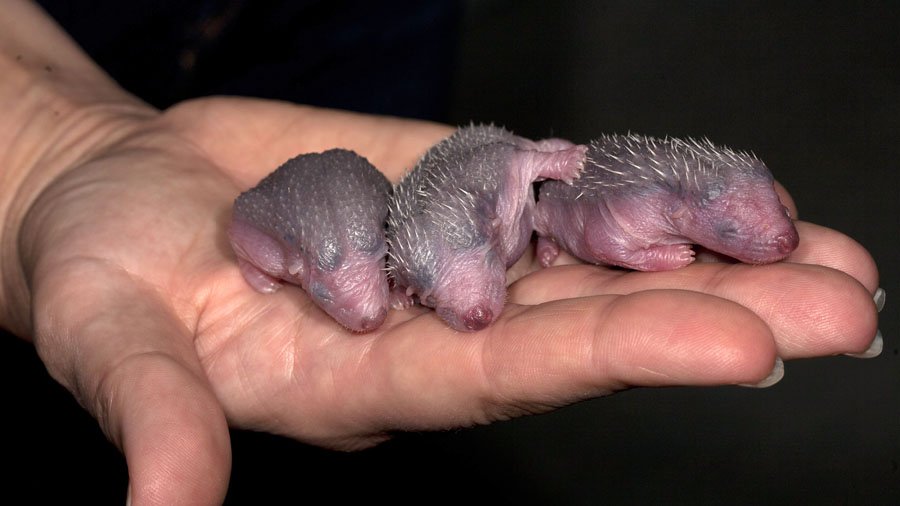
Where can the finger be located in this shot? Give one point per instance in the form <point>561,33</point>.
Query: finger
<point>820,246</point>
<point>128,361</point>
<point>812,310</point>
<point>422,375</point>
<point>786,200</point>
<point>823,246</point>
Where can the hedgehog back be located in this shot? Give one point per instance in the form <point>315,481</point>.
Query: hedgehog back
<point>314,200</point>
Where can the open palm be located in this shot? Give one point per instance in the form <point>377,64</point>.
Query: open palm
<point>140,310</point>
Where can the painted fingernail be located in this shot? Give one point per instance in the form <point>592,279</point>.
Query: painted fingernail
<point>773,377</point>
<point>874,349</point>
<point>879,297</point>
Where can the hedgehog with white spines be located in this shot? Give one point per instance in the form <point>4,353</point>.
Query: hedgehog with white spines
<point>681,164</point>
<point>641,203</point>
<point>463,215</point>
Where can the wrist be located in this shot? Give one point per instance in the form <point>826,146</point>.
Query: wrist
<point>59,108</point>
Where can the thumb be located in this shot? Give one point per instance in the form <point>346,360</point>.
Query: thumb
<point>119,348</point>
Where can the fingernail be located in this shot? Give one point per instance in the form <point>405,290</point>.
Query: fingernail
<point>773,377</point>
<point>874,349</point>
<point>128,496</point>
<point>879,297</point>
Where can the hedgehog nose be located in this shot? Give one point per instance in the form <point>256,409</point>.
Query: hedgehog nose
<point>787,242</point>
<point>368,323</point>
<point>478,318</point>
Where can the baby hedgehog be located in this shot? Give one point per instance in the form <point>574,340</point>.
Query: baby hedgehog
<point>464,214</point>
<point>641,202</point>
<point>318,221</point>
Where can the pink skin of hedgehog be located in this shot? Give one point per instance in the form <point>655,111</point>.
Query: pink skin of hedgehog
<point>642,203</point>
<point>464,214</point>
<point>318,222</point>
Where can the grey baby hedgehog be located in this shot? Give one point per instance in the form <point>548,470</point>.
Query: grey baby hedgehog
<point>641,202</point>
<point>318,221</point>
<point>464,214</point>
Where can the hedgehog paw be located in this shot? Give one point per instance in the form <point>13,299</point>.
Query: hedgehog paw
<point>660,258</point>
<point>399,299</point>
<point>547,251</point>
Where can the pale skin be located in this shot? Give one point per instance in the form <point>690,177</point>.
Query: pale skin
<point>115,264</point>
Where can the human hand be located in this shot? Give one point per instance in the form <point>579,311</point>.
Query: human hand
<point>140,310</point>
<point>114,260</point>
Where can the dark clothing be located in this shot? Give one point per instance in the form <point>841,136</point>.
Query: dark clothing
<point>379,57</point>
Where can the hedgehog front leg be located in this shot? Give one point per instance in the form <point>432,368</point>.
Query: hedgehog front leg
<point>547,251</point>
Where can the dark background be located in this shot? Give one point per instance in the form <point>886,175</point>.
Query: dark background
<point>812,88</point>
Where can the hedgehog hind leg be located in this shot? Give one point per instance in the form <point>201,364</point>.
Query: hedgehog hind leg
<point>547,251</point>
<point>400,298</point>
<point>552,144</point>
<point>660,257</point>
<point>564,164</point>
<point>259,280</point>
